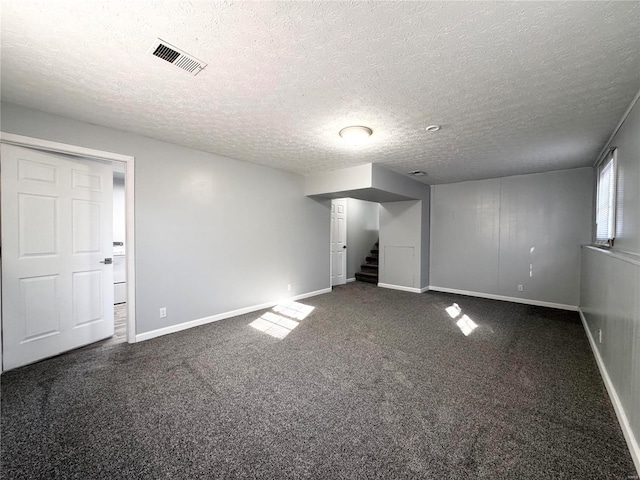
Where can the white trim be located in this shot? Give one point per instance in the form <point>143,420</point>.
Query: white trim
<point>141,337</point>
<point>308,294</point>
<point>404,289</point>
<point>605,149</point>
<point>526,301</point>
<point>67,149</point>
<point>56,147</point>
<point>632,443</point>
<point>349,280</point>
<point>624,256</point>
<point>220,316</point>
<point>130,248</point>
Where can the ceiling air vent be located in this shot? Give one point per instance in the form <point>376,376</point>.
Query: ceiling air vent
<point>171,54</point>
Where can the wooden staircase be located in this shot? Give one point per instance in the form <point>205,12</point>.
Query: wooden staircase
<point>369,270</point>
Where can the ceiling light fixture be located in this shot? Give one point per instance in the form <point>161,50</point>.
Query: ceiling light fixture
<point>355,135</point>
<point>433,128</point>
<point>417,173</point>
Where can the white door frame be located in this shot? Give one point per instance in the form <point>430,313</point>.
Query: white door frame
<point>56,147</point>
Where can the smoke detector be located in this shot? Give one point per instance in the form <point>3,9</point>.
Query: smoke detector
<point>174,55</point>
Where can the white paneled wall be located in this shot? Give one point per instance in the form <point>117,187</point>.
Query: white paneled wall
<point>490,236</point>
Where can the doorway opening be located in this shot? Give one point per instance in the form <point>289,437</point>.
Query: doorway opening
<point>59,221</point>
<point>119,256</point>
<point>355,230</point>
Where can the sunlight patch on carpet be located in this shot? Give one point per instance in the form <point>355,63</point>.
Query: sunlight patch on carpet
<point>295,310</point>
<point>280,324</point>
<point>464,323</point>
<point>454,310</point>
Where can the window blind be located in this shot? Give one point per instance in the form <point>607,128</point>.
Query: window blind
<point>606,206</point>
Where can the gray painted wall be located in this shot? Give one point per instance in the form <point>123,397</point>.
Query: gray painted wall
<point>357,182</point>
<point>410,229</point>
<point>627,141</point>
<point>212,234</point>
<point>363,229</point>
<point>425,235</point>
<point>400,243</point>
<point>490,236</point>
<point>465,235</point>
<point>408,234</point>
<point>352,178</point>
<point>610,303</point>
<point>390,181</point>
<point>610,290</point>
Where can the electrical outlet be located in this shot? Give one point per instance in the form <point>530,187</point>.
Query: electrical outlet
<point>521,288</point>
<point>163,312</point>
<point>599,335</point>
<point>289,287</point>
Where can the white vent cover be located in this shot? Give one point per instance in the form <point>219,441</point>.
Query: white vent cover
<point>179,58</point>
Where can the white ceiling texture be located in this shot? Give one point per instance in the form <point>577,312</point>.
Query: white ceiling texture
<point>518,87</point>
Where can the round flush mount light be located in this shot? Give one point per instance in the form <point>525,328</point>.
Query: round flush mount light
<point>356,134</point>
<point>433,128</point>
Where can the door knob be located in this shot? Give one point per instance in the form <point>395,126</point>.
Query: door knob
<point>344,246</point>
<point>107,261</point>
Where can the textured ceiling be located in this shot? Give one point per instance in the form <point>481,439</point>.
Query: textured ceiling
<point>518,87</point>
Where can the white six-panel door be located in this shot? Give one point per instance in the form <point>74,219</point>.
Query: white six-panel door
<point>57,289</point>
<point>339,241</point>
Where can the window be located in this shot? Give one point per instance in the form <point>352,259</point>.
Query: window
<point>606,202</point>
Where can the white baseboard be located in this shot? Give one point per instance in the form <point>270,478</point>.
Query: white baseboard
<point>526,301</point>
<point>220,316</point>
<point>404,289</point>
<point>349,280</point>
<point>632,442</point>
<point>307,295</point>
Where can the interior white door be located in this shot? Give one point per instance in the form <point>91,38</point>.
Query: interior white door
<point>339,241</point>
<point>57,280</point>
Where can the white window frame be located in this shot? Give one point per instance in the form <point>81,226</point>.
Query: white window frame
<point>605,233</point>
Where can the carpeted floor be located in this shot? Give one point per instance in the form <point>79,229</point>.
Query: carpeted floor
<point>373,383</point>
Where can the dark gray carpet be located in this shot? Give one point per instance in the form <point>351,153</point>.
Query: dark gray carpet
<point>374,383</point>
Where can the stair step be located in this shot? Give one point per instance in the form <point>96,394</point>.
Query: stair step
<point>369,267</point>
<point>375,251</point>
<point>367,277</point>
<point>372,260</point>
